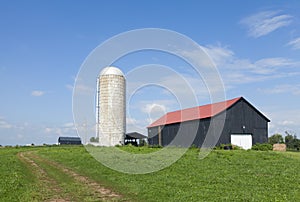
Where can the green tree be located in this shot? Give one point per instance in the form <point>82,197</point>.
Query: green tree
<point>291,140</point>
<point>93,139</point>
<point>276,138</point>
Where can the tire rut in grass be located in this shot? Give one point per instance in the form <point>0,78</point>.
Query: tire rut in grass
<point>99,192</point>
<point>50,189</point>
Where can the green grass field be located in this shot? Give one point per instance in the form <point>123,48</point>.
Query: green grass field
<point>222,176</point>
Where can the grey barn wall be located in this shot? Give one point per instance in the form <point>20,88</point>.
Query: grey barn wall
<point>238,115</point>
<point>153,136</point>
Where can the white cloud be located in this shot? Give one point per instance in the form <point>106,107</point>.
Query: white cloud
<point>37,93</point>
<point>225,58</point>
<point>218,53</point>
<point>236,70</point>
<point>197,57</point>
<point>20,136</point>
<point>155,111</point>
<point>48,130</point>
<point>65,129</point>
<point>24,133</point>
<point>69,125</point>
<point>184,87</point>
<point>275,62</point>
<point>141,114</point>
<point>284,120</point>
<point>287,123</point>
<point>284,88</point>
<point>295,44</point>
<point>82,88</point>
<point>154,108</point>
<point>4,124</point>
<point>265,22</point>
<point>53,130</point>
<point>69,87</point>
<point>135,125</point>
<point>269,65</point>
<point>131,121</point>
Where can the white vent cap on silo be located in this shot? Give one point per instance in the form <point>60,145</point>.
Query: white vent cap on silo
<point>111,71</point>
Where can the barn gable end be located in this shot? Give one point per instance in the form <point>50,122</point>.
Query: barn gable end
<point>244,118</point>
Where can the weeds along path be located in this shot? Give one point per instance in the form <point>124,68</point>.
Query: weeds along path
<point>59,183</point>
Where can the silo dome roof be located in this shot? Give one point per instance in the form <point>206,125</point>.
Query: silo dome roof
<point>111,70</point>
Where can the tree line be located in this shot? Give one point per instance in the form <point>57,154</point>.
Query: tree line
<point>291,140</point>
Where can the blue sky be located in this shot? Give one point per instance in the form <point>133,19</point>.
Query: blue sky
<point>255,45</point>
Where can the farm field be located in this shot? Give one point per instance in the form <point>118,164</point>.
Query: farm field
<point>70,174</point>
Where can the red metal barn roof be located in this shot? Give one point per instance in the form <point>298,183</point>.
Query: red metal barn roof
<point>201,112</point>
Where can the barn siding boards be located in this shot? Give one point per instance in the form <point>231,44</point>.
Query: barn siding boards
<point>240,114</point>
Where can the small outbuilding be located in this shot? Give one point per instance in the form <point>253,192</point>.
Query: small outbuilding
<point>69,140</point>
<point>135,138</point>
<point>242,125</point>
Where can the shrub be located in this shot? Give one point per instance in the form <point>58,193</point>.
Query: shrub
<point>143,143</point>
<point>154,146</point>
<point>262,147</point>
<point>227,147</point>
<point>217,148</point>
<point>235,147</point>
<point>193,146</point>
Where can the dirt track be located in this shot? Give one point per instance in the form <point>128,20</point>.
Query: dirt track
<point>51,188</point>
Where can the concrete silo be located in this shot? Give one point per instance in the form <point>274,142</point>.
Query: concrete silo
<point>111,107</point>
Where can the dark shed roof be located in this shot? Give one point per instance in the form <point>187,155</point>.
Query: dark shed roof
<point>135,135</point>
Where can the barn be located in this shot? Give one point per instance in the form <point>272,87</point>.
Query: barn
<point>69,140</point>
<point>244,125</point>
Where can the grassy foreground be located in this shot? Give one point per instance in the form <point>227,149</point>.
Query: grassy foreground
<point>222,176</point>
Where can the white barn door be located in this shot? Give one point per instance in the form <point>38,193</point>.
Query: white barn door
<point>242,140</point>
